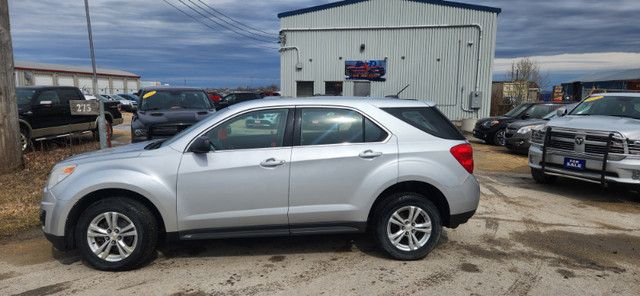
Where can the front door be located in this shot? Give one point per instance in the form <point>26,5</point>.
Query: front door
<point>242,186</point>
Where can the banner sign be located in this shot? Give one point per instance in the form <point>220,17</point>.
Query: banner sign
<point>365,70</point>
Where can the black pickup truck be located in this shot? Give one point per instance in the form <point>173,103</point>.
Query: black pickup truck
<point>44,113</point>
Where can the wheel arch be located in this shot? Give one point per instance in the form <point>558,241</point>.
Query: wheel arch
<point>427,190</point>
<point>25,124</point>
<point>91,198</point>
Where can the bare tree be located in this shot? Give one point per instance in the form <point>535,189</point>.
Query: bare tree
<point>525,74</point>
<point>10,152</point>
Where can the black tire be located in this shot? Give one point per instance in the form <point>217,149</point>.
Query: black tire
<point>499,137</point>
<point>25,141</point>
<point>541,177</point>
<point>427,237</point>
<point>128,212</point>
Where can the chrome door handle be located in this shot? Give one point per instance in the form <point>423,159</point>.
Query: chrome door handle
<point>368,154</point>
<point>271,162</point>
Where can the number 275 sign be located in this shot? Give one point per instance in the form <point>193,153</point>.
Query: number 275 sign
<point>82,107</point>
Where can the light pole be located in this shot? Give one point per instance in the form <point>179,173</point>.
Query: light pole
<point>102,130</point>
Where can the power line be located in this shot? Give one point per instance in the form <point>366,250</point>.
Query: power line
<point>208,26</point>
<point>221,25</point>
<point>232,19</point>
<point>271,38</point>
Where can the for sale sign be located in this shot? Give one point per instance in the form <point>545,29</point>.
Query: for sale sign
<point>84,107</point>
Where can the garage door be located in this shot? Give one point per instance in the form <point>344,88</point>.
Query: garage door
<point>65,80</point>
<point>85,84</point>
<point>103,86</point>
<point>118,86</point>
<point>44,79</point>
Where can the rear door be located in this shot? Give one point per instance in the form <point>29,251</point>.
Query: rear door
<point>342,159</point>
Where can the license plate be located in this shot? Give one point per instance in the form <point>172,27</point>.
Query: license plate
<point>256,121</point>
<point>573,163</point>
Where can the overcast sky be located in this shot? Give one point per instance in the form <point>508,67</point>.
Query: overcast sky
<point>157,40</point>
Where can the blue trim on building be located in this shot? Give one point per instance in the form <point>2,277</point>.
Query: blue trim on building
<point>349,2</point>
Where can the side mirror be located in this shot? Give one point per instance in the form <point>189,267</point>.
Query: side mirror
<point>201,145</point>
<point>561,112</point>
<point>526,116</point>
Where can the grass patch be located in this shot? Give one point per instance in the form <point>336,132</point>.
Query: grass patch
<point>22,190</point>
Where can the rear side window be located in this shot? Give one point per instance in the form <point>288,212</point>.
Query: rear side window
<point>323,126</point>
<point>429,120</point>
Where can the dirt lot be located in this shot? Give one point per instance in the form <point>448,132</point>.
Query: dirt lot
<point>570,238</point>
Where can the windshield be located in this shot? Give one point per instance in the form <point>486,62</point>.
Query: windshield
<point>221,112</point>
<point>175,99</point>
<point>622,106</point>
<point>24,96</point>
<point>517,110</point>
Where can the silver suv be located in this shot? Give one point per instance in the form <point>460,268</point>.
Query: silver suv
<point>325,165</point>
<point>598,141</point>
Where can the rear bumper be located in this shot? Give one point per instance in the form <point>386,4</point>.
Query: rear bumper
<point>456,220</point>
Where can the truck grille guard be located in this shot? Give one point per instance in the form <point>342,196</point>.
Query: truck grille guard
<point>605,157</point>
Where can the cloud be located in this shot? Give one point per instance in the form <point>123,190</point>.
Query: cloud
<point>576,62</point>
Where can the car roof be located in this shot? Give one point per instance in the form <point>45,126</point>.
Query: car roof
<point>333,101</point>
<point>152,88</point>
<point>623,94</point>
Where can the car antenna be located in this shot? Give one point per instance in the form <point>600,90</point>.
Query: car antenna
<point>398,94</point>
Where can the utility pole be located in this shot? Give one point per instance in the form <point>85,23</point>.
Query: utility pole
<point>10,148</point>
<point>102,128</point>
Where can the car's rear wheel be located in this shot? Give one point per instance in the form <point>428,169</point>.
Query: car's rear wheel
<point>408,226</point>
<point>117,234</point>
<point>541,177</point>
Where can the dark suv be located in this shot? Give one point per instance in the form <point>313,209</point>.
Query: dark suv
<point>492,129</point>
<point>164,111</point>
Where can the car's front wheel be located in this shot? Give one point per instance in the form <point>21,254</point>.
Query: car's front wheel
<point>541,177</point>
<point>117,234</point>
<point>25,141</point>
<point>408,226</point>
<point>499,137</point>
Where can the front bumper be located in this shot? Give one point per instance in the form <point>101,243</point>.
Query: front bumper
<point>625,170</point>
<point>517,142</point>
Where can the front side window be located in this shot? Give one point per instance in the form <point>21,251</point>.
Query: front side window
<point>253,130</point>
<point>324,126</point>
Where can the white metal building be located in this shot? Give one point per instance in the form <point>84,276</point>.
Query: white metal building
<point>442,50</point>
<point>109,81</point>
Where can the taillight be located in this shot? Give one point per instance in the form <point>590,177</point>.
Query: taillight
<point>119,108</point>
<point>464,154</point>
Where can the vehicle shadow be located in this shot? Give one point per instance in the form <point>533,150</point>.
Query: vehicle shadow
<point>272,246</point>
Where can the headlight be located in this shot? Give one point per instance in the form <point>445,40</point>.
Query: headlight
<point>140,132</point>
<point>59,174</point>
<point>490,123</point>
<point>527,129</point>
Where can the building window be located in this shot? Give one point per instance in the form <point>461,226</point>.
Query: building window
<point>333,88</point>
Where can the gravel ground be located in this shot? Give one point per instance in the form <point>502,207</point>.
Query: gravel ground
<point>570,238</point>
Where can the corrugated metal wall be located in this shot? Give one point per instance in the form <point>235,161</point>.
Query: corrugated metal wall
<point>439,63</point>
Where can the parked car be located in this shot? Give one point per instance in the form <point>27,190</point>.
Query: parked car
<point>165,110</point>
<point>397,167</point>
<point>44,112</point>
<point>492,129</point>
<point>235,98</point>
<point>130,97</point>
<point>518,133</point>
<point>126,104</point>
<point>598,141</point>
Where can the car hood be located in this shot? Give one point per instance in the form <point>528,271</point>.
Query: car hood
<point>630,127</point>
<point>173,116</point>
<point>121,152</point>
<point>499,118</point>
<point>520,123</point>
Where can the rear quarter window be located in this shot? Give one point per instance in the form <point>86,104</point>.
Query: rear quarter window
<point>429,120</point>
